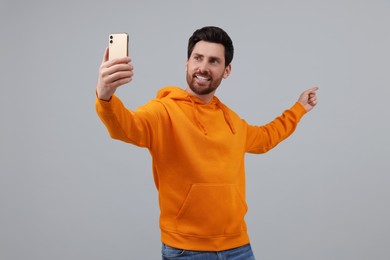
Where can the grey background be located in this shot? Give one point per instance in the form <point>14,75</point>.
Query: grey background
<point>67,191</point>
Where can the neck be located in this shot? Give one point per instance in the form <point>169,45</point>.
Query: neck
<point>206,98</point>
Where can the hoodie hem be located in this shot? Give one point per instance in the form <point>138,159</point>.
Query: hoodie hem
<point>199,243</point>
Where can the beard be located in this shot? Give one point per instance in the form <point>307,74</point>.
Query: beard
<point>203,87</point>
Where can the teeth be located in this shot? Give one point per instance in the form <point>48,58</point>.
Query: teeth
<point>203,78</point>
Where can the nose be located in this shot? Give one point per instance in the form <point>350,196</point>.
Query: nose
<point>203,67</point>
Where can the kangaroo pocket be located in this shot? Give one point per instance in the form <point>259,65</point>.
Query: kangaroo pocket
<point>212,210</point>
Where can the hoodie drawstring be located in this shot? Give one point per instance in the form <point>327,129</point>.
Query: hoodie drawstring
<point>226,114</point>
<point>224,111</point>
<point>196,114</point>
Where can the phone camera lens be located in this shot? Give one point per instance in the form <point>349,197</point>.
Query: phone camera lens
<point>111,41</point>
<point>111,37</point>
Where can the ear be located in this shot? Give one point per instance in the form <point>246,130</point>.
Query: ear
<point>228,69</point>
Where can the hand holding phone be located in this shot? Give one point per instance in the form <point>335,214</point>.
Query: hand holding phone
<point>118,45</point>
<point>114,74</point>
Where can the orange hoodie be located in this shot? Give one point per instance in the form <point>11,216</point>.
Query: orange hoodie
<point>198,162</point>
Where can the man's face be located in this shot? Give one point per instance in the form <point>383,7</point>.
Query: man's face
<point>206,67</point>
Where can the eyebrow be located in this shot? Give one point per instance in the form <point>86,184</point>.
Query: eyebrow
<point>211,57</point>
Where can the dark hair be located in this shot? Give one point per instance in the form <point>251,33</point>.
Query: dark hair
<point>215,35</point>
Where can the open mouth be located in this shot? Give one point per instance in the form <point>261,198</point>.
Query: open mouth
<point>202,78</point>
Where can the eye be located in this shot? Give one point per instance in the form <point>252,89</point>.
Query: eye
<point>214,61</point>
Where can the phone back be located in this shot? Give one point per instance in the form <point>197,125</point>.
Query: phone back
<point>118,45</point>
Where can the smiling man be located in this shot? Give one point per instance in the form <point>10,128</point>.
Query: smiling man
<point>198,146</point>
<point>206,67</point>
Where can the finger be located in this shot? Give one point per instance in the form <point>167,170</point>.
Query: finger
<point>118,76</point>
<point>121,60</point>
<point>116,72</point>
<point>120,82</point>
<point>313,90</point>
<point>312,98</point>
<point>109,63</point>
<point>105,72</point>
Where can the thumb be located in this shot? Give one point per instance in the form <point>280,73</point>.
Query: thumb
<point>105,55</point>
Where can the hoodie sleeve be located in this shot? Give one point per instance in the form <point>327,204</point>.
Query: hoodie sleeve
<point>133,127</point>
<point>261,139</point>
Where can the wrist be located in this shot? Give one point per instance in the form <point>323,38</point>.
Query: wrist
<point>103,97</point>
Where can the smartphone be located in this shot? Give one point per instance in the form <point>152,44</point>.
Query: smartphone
<point>118,45</point>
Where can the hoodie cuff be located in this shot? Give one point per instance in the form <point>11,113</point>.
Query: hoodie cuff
<point>299,109</point>
<point>105,105</point>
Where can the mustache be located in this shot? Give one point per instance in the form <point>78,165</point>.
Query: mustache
<point>203,74</point>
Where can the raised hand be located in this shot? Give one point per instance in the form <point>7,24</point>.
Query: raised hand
<point>309,98</point>
<point>113,74</point>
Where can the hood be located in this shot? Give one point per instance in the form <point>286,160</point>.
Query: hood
<point>176,93</point>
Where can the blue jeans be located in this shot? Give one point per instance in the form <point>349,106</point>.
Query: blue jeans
<point>239,253</point>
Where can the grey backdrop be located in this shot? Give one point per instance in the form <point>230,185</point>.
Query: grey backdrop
<point>67,191</point>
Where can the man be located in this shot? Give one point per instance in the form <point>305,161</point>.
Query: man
<point>197,145</point>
